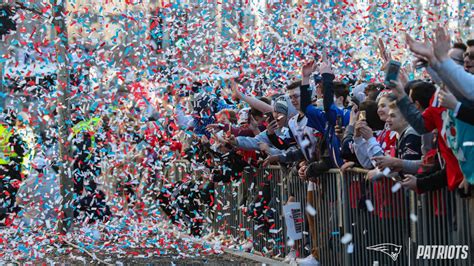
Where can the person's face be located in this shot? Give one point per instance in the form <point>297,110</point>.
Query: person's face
<point>457,55</point>
<point>319,90</point>
<point>280,118</point>
<point>383,109</point>
<point>395,120</point>
<point>295,97</point>
<point>222,118</point>
<point>338,101</point>
<point>469,60</point>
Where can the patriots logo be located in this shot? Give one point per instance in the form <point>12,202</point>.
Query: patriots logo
<point>389,249</point>
<point>410,151</point>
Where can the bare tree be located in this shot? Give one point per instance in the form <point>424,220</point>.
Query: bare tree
<point>65,173</point>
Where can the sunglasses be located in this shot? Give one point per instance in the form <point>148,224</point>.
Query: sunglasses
<point>469,55</point>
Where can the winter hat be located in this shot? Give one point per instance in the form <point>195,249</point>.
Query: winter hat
<point>281,106</point>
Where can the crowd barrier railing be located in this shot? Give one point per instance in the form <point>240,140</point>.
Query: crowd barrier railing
<point>443,218</point>
<point>375,213</point>
<point>348,207</point>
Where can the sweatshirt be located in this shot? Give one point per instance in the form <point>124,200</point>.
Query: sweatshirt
<point>428,121</point>
<point>460,82</point>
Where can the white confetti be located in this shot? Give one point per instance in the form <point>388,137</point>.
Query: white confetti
<point>350,248</point>
<point>310,210</point>
<point>290,242</point>
<point>370,206</point>
<point>346,238</point>
<point>396,187</point>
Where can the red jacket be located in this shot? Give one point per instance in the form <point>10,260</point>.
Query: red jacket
<point>432,117</point>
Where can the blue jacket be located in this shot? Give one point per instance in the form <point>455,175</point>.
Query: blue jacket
<point>332,115</point>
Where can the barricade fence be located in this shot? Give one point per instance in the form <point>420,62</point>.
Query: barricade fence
<point>350,217</point>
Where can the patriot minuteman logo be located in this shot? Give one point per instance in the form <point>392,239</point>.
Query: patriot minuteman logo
<point>390,249</point>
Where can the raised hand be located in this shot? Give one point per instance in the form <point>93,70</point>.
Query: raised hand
<point>447,99</point>
<point>272,127</point>
<point>307,70</point>
<point>325,66</point>
<point>441,44</point>
<point>383,54</point>
<point>399,89</point>
<point>421,50</point>
<point>236,94</point>
<point>354,115</point>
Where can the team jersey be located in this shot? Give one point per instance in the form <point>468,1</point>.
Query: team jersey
<point>307,138</point>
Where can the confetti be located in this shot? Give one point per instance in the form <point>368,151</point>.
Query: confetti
<point>396,187</point>
<point>311,210</point>
<point>347,238</point>
<point>370,206</point>
<point>144,85</point>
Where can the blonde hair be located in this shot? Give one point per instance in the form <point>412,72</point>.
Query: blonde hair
<point>393,105</point>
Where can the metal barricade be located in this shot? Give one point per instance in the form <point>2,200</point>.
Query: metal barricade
<point>298,189</point>
<point>328,219</point>
<point>347,203</point>
<point>375,215</point>
<point>442,218</point>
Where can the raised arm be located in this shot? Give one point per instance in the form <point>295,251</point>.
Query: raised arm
<point>328,85</point>
<point>252,101</point>
<point>305,97</point>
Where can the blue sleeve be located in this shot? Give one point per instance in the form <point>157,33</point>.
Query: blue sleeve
<point>346,116</point>
<point>328,91</point>
<point>329,107</point>
<point>316,118</point>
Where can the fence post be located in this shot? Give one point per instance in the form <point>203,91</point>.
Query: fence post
<point>345,213</point>
<point>413,231</point>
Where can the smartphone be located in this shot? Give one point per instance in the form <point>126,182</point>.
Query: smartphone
<point>270,116</point>
<point>362,116</point>
<point>392,72</point>
<point>398,178</point>
<point>339,121</point>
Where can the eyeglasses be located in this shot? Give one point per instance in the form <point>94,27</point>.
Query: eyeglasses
<point>469,55</point>
<point>457,60</point>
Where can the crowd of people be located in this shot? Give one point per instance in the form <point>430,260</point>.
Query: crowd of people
<point>412,131</point>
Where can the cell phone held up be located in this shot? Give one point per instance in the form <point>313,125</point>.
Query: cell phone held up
<point>362,116</point>
<point>391,74</point>
<point>269,116</point>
